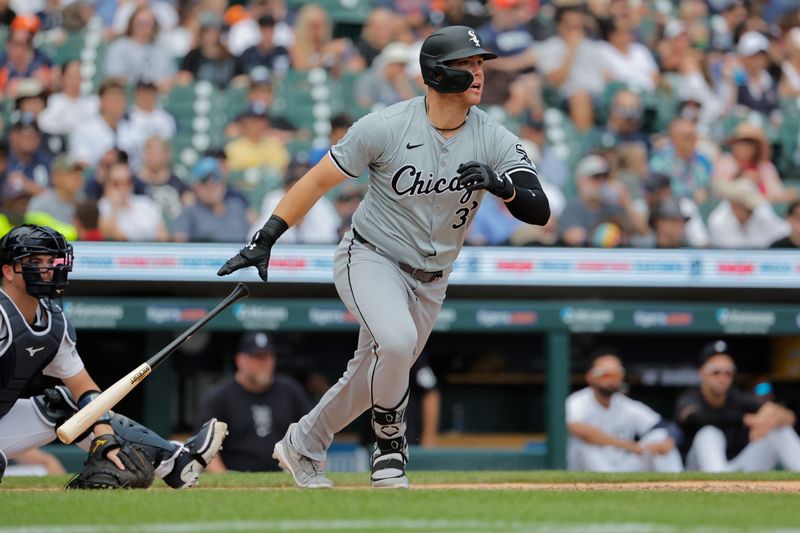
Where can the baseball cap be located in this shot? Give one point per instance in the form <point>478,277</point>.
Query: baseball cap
<point>674,28</point>
<point>257,110</point>
<point>395,52</point>
<point>260,77</point>
<point>144,83</point>
<point>744,192</point>
<point>29,88</point>
<point>751,43</point>
<point>255,342</point>
<point>266,20</point>
<point>668,209</point>
<point>206,168</point>
<point>29,23</point>
<point>592,165</point>
<point>717,347</point>
<point>656,181</point>
<point>209,19</point>
<point>64,163</point>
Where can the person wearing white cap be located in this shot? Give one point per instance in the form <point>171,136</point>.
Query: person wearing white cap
<point>744,219</point>
<point>750,85</point>
<point>386,82</point>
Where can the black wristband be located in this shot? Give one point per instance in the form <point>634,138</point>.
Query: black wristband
<point>273,229</point>
<point>86,398</point>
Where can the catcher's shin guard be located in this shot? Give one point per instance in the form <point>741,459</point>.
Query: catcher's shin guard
<point>155,448</point>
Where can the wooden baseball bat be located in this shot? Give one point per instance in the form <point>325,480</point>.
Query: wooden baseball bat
<point>83,419</point>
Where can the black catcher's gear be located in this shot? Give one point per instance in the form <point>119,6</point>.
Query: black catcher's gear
<point>448,44</point>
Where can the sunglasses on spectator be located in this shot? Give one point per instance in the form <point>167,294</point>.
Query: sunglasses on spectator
<point>601,176</point>
<point>121,183</point>
<point>618,373</point>
<point>720,370</point>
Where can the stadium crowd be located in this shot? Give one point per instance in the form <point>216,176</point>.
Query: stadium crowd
<point>668,123</point>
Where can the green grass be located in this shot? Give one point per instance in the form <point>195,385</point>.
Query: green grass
<point>266,502</point>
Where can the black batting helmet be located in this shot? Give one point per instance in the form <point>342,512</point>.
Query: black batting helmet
<point>29,239</point>
<point>447,44</point>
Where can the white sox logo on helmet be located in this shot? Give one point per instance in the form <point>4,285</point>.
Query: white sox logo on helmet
<point>474,38</point>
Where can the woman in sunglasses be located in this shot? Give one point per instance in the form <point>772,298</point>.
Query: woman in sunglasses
<point>731,430</point>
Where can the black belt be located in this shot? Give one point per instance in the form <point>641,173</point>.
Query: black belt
<point>416,273</point>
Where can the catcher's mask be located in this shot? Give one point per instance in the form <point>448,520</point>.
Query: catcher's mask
<point>29,240</point>
<point>448,44</point>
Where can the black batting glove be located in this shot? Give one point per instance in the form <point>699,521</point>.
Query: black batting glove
<point>473,176</point>
<point>256,253</point>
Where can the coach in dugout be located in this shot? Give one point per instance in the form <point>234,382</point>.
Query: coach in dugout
<point>257,405</point>
<point>609,432</point>
<point>730,430</point>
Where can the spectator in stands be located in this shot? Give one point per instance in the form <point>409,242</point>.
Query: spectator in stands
<point>657,188</point>
<point>702,107</point>
<point>600,199</point>
<point>610,432</point>
<point>125,11</point>
<point>747,82</point>
<point>21,60</point>
<point>32,99</point>
<point>572,63</point>
<point>380,29</point>
<point>147,117</point>
<point>257,404</point>
<point>139,54</point>
<point>245,31</point>
<point>744,219</point>
<point>688,168</point>
<point>125,216</point>
<point>793,218</point>
<point>59,201</point>
<point>348,197</point>
<point>319,226</point>
<point>549,161</point>
<point>730,430</point>
<point>789,86</point>
<point>669,221</point>
<point>386,82</point>
<point>257,147</point>
<point>675,49</point>
<point>732,14</point>
<point>87,221</point>
<point>624,124</point>
<point>161,184</point>
<point>624,59</point>
<point>506,34</point>
<point>339,125</point>
<point>210,60</point>
<point>314,45</point>
<point>96,180</point>
<point>96,135</point>
<point>28,160</point>
<point>266,54</point>
<point>750,157</point>
<point>214,216</point>
<point>69,107</point>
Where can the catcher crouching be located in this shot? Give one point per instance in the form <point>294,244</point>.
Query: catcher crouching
<point>35,338</point>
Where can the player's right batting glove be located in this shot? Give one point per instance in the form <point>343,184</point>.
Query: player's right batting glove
<point>473,176</point>
<point>256,253</point>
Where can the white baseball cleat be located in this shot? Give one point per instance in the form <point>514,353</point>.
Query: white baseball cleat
<point>306,472</point>
<point>196,454</point>
<point>389,471</point>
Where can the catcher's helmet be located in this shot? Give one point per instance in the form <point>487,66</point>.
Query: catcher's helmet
<point>27,240</point>
<point>447,44</point>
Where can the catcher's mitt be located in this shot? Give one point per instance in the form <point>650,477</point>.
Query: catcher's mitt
<point>100,473</point>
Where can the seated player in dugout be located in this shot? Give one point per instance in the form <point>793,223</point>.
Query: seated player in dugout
<point>730,430</point>
<point>36,339</point>
<point>610,432</point>
<point>430,162</point>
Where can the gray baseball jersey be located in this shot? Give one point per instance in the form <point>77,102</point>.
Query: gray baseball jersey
<point>415,211</point>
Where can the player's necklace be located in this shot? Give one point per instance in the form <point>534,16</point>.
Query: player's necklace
<point>444,129</point>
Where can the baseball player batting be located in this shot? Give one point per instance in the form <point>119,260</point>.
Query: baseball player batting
<point>430,159</point>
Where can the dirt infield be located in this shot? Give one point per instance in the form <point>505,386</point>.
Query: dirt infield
<point>675,486</point>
